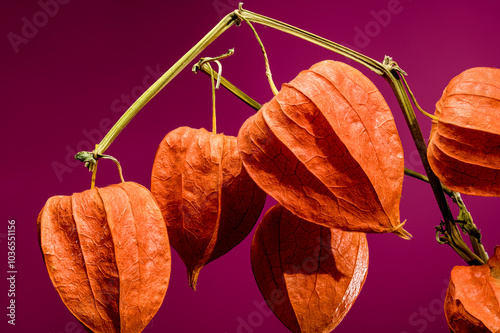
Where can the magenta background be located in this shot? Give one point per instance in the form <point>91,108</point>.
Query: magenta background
<point>63,82</point>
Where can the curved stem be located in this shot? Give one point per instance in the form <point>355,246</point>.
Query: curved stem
<point>206,61</point>
<point>266,60</point>
<point>315,39</point>
<point>456,240</point>
<point>90,158</point>
<point>414,100</point>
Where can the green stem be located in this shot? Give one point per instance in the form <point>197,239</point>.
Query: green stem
<point>266,60</point>
<point>424,178</point>
<point>467,224</point>
<point>90,158</point>
<point>312,38</point>
<point>231,87</point>
<point>456,240</point>
<point>218,30</point>
<point>206,62</point>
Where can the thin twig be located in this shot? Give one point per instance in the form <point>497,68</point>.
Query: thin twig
<point>226,22</point>
<point>90,158</point>
<point>424,178</point>
<point>231,88</point>
<point>425,113</point>
<point>94,167</point>
<point>268,68</point>
<point>206,62</point>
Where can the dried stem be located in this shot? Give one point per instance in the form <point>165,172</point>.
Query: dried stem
<point>465,221</point>
<point>232,88</point>
<point>424,178</point>
<point>228,21</point>
<point>206,61</point>
<point>266,60</point>
<point>90,158</point>
<point>94,167</point>
<point>214,118</point>
<point>414,100</point>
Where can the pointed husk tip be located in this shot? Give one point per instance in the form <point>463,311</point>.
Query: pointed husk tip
<point>193,277</point>
<point>398,230</point>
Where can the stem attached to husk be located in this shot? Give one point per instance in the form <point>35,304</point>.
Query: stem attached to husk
<point>214,118</point>
<point>90,158</point>
<point>94,167</point>
<point>213,79</point>
<point>393,76</point>
<point>414,100</point>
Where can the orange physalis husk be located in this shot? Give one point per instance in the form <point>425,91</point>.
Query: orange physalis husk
<point>208,201</point>
<point>472,301</point>
<point>464,145</point>
<point>326,147</point>
<point>308,274</point>
<point>108,255</point>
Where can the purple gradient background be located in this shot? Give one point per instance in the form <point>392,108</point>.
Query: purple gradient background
<point>70,77</point>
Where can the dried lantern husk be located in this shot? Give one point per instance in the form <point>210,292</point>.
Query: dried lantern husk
<point>308,274</point>
<point>107,253</point>
<point>208,201</point>
<point>472,301</point>
<point>326,147</point>
<point>464,145</point>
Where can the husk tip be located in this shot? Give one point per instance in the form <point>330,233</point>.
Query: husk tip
<point>193,277</point>
<point>398,230</point>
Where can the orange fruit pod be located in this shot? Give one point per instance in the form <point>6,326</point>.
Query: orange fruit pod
<point>472,301</point>
<point>326,148</point>
<point>107,253</point>
<point>207,199</point>
<point>464,144</point>
<point>308,274</point>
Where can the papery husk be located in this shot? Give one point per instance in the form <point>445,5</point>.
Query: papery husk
<point>108,256</point>
<point>308,274</point>
<point>472,301</point>
<point>207,199</point>
<point>464,144</point>
<point>326,147</point>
